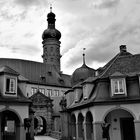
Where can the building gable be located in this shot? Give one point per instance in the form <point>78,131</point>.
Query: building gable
<point>40,99</point>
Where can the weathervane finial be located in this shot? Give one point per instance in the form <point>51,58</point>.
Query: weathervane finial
<point>84,55</point>
<point>50,7</point>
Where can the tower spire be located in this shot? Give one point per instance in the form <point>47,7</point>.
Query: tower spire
<point>51,44</point>
<point>84,56</point>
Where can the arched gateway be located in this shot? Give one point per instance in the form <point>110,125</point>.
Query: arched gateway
<point>121,125</point>
<point>73,126</point>
<point>42,106</point>
<point>10,125</point>
<point>40,125</point>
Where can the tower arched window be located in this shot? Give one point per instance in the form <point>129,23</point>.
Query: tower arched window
<point>51,49</point>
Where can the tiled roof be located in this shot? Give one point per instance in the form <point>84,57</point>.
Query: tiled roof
<point>90,79</point>
<point>81,74</point>
<point>125,65</point>
<point>8,70</point>
<point>37,72</point>
<point>117,74</point>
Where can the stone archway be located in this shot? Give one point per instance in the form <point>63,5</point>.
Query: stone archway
<point>40,125</point>
<point>43,108</point>
<point>89,126</point>
<point>10,125</point>
<point>80,127</point>
<point>73,126</point>
<point>121,124</point>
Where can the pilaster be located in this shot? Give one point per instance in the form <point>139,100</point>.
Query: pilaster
<point>22,132</point>
<point>77,136</point>
<point>97,131</point>
<point>65,126</point>
<point>137,129</point>
<point>85,129</point>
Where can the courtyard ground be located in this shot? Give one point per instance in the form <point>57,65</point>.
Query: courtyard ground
<point>44,138</point>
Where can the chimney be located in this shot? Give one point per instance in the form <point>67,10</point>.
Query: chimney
<point>123,48</point>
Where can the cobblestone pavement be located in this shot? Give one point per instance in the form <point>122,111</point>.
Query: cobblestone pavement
<point>44,138</point>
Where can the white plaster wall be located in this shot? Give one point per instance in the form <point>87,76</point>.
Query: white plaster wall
<point>2,107</point>
<point>23,88</point>
<point>100,112</point>
<point>29,88</point>
<point>134,108</point>
<point>21,110</point>
<point>112,112</point>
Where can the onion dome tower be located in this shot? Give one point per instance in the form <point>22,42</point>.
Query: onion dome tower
<point>82,73</point>
<point>51,44</point>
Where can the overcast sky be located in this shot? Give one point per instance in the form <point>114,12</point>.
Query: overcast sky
<point>100,26</point>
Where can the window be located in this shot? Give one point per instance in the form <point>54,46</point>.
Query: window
<point>51,49</point>
<point>11,85</point>
<point>56,92</point>
<point>118,86</point>
<point>34,90</point>
<point>76,97</point>
<point>85,91</point>
<point>49,92</point>
<point>42,90</point>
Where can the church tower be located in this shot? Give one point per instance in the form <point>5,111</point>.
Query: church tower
<point>51,44</point>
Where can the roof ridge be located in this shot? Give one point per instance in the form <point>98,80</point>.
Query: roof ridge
<point>115,58</point>
<point>4,68</point>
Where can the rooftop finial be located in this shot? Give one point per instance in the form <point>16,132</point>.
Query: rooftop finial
<point>51,7</point>
<point>84,55</point>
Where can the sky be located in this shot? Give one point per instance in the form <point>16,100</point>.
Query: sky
<point>100,26</point>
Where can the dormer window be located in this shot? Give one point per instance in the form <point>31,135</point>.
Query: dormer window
<point>10,85</point>
<point>118,86</point>
<point>85,92</point>
<point>78,93</point>
<point>76,97</point>
<point>8,81</point>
